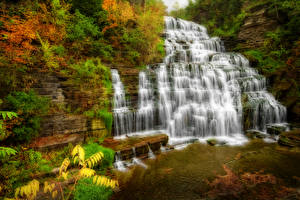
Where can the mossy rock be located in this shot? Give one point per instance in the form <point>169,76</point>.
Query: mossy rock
<point>290,138</point>
<point>213,142</point>
<point>254,134</point>
<point>276,129</point>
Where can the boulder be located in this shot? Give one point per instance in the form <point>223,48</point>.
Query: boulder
<point>290,138</point>
<point>253,134</point>
<point>214,142</point>
<point>276,129</point>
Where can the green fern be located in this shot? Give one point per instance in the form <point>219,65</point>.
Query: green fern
<point>7,114</point>
<point>5,151</point>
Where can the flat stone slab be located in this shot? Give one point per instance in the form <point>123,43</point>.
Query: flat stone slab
<point>55,141</point>
<point>141,145</point>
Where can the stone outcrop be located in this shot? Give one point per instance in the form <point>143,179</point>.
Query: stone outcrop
<point>256,25</point>
<point>62,126</point>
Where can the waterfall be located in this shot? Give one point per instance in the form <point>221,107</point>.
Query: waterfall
<point>150,153</point>
<point>123,117</point>
<point>119,164</point>
<point>137,161</point>
<point>197,91</point>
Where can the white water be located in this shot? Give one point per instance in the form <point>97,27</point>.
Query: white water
<point>197,91</point>
<point>119,164</point>
<point>123,117</point>
<point>136,160</point>
<point>150,153</point>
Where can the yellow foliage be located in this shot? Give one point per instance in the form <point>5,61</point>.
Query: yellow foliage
<point>50,188</point>
<point>78,154</point>
<point>94,159</point>
<point>65,175</point>
<point>102,180</point>
<point>119,13</point>
<point>87,172</point>
<point>28,191</point>
<point>64,166</point>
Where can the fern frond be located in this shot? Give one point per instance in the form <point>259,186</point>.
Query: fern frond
<point>7,114</point>
<point>94,159</point>
<point>78,154</point>
<point>48,187</point>
<point>87,172</point>
<point>5,151</point>
<point>104,181</point>
<point>28,191</point>
<point>65,175</point>
<point>64,166</point>
<point>54,194</point>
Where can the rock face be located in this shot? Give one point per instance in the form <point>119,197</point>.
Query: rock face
<point>61,126</point>
<point>252,33</point>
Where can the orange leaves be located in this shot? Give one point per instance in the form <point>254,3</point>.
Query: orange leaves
<point>16,37</point>
<point>119,13</point>
<point>18,33</point>
<point>109,5</point>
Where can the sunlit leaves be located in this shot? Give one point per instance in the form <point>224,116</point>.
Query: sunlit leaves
<point>87,172</point>
<point>119,13</point>
<point>104,181</point>
<point>28,191</point>
<point>64,166</point>
<point>94,159</point>
<point>50,188</point>
<point>78,154</point>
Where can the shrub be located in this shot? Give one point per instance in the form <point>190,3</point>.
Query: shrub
<point>30,108</point>
<point>90,8</point>
<point>107,117</point>
<point>92,148</point>
<point>92,73</point>
<point>82,27</point>
<point>86,190</point>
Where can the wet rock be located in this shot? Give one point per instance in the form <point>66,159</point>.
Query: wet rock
<point>290,138</point>
<point>141,145</point>
<point>214,142</point>
<point>276,129</point>
<point>253,134</point>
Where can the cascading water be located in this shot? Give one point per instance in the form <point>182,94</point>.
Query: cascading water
<point>123,117</point>
<point>150,153</point>
<point>119,164</point>
<point>137,161</point>
<point>197,91</point>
